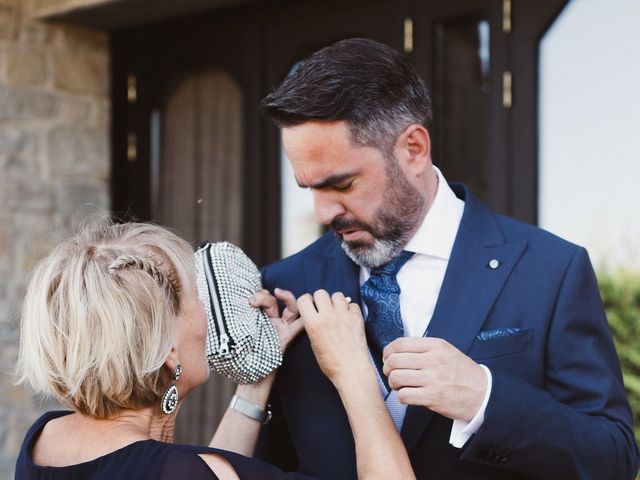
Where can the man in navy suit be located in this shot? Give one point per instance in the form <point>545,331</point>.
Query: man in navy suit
<point>504,366</point>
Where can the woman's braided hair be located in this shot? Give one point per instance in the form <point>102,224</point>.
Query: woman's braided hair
<point>99,314</point>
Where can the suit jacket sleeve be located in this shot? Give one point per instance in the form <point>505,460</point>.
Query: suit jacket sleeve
<point>579,426</point>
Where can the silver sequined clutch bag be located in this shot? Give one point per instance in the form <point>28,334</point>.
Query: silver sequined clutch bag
<point>242,344</point>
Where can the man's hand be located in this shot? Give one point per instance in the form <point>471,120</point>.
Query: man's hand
<point>433,373</point>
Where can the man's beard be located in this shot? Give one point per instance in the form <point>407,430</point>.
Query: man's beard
<point>393,223</point>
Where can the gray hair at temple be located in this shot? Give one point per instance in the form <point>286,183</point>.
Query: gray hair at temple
<point>371,86</point>
<point>98,316</point>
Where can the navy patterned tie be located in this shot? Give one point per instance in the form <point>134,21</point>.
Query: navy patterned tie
<point>381,295</point>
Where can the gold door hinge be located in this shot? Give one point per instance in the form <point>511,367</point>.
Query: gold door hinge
<point>507,90</point>
<point>132,88</point>
<point>132,147</point>
<point>408,35</point>
<point>506,16</point>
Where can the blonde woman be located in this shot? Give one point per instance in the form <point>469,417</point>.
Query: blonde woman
<point>112,327</point>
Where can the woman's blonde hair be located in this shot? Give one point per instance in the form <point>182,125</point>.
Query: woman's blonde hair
<point>98,316</point>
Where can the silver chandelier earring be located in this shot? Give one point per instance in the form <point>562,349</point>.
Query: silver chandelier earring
<point>170,398</point>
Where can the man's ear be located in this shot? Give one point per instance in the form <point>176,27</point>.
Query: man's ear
<point>413,149</point>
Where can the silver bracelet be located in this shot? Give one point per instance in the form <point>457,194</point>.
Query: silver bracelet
<point>250,410</point>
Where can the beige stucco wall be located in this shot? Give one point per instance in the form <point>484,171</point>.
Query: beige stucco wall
<point>54,162</point>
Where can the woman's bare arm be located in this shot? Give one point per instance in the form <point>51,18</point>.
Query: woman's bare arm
<point>336,331</point>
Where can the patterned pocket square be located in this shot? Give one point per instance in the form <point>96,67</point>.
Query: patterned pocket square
<point>500,342</point>
<point>497,333</point>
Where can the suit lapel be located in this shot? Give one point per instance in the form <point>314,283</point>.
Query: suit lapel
<point>469,289</point>
<point>335,272</point>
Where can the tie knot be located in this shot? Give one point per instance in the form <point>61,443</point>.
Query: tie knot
<point>391,269</point>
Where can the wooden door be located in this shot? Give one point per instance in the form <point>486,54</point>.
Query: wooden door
<point>187,93</point>
<point>460,50</point>
<point>479,59</point>
<point>191,150</point>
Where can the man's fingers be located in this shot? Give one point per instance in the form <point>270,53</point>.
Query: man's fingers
<point>404,360</point>
<point>406,378</point>
<point>263,299</point>
<point>412,395</point>
<point>412,344</point>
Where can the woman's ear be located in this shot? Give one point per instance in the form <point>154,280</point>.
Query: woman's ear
<point>413,149</point>
<point>172,362</point>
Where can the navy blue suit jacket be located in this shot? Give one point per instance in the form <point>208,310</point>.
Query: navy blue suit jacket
<point>557,407</point>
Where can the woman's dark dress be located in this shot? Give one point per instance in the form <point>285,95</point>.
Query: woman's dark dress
<point>145,459</point>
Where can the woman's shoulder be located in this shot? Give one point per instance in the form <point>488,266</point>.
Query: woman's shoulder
<point>33,433</point>
<point>45,418</point>
<point>148,459</point>
<point>142,459</point>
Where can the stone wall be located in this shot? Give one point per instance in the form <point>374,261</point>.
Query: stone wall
<point>54,164</point>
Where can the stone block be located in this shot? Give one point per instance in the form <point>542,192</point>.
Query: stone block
<point>4,420</point>
<point>102,114</point>
<point>18,151</point>
<point>84,72</point>
<point>83,39</point>
<point>30,254</point>
<point>5,314</point>
<point>25,67</point>
<point>9,19</point>
<point>17,395</point>
<point>78,151</point>
<point>21,103</point>
<point>12,140</point>
<point>25,193</point>
<point>35,33</point>
<point>77,201</point>
<point>49,4</point>
<point>78,111</point>
<point>5,257</point>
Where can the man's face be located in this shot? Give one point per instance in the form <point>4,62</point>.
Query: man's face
<point>362,196</point>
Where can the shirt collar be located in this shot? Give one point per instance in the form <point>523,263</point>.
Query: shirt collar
<point>438,230</point>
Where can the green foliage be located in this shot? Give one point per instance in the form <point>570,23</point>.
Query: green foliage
<point>621,296</point>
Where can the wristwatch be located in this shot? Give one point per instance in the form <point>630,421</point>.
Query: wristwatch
<point>250,410</point>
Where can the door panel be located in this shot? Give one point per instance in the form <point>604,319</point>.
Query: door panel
<point>460,50</point>
<point>199,193</point>
<point>200,79</point>
<point>196,170</point>
<point>201,163</point>
<point>296,32</point>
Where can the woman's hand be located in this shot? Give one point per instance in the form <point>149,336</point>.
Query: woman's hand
<point>336,331</point>
<point>236,431</point>
<point>288,325</point>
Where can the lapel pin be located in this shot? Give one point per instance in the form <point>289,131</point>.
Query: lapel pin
<point>493,264</point>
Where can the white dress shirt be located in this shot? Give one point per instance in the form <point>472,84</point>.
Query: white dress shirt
<point>420,280</point>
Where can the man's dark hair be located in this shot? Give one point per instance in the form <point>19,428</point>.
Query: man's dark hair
<point>369,85</point>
